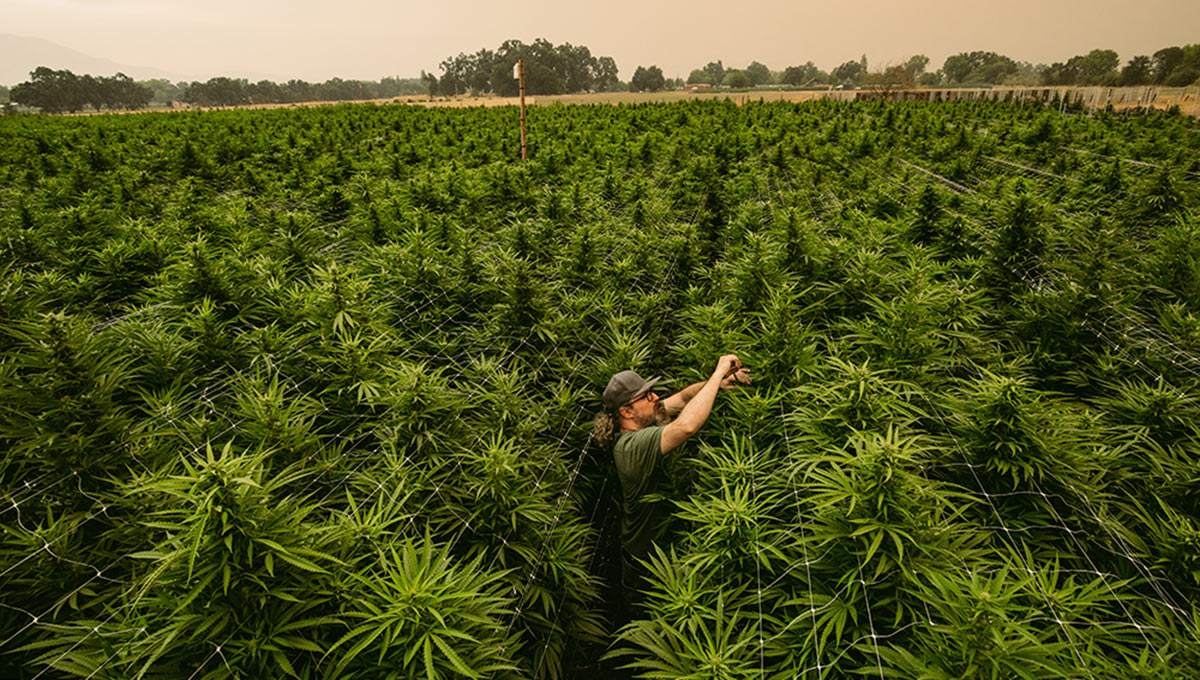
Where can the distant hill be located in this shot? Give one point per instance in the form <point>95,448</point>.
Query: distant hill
<point>20,54</point>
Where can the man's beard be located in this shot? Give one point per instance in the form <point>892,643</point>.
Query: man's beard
<point>659,417</point>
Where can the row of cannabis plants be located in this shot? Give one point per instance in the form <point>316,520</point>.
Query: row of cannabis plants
<point>308,393</point>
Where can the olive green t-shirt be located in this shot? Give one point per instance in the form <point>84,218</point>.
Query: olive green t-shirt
<point>638,455</point>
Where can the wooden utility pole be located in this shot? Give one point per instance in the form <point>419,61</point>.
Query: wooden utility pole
<point>521,77</point>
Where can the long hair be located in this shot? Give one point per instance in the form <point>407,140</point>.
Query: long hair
<point>604,428</point>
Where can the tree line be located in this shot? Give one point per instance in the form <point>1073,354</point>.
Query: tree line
<point>222,91</point>
<point>1171,66</point>
<point>549,69</point>
<point>61,91</point>
<point>566,68</point>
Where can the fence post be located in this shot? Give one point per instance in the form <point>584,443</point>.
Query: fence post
<point>521,77</point>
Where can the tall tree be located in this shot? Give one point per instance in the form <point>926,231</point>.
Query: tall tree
<point>1098,67</point>
<point>916,64</point>
<point>716,72</point>
<point>1059,73</point>
<point>736,78</point>
<point>607,78</point>
<point>577,67</point>
<point>51,91</point>
<point>58,91</point>
<point>219,91</point>
<point>794,75</point>
<point>897,77</point>
<point>164,91</point>
<point>1187,72</point>
<point>978,68</point>
<point>1165,61</point>
<point>647,79</point>
<point>302,91</point>
<point>849,72</point>
<point>120,91</point>
<point>803,75</point>
<point>456,75</point>
<point>1137,71</point>
<point>431,81</point>
<point>480,76</point>
<point>928,79</point>
<point>549,69</point>
<point>638,81</point>
<point>757,74</point>
<point>699,76</point>
<point>94,94</point>
<point>994,69</point>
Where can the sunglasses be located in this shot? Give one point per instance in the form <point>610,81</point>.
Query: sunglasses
<point>648,394</point>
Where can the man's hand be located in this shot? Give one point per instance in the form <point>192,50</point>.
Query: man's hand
<point>731,372</point>
<point>739,377</point>
<point>727,366</point>
<point>699,405</point>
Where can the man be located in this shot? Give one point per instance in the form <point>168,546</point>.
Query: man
<point>647,428</point>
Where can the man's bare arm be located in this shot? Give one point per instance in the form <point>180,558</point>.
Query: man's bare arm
<point>675,403</point>
<point>696,412</point>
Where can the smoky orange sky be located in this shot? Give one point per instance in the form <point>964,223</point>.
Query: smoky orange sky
<point>369,39</point>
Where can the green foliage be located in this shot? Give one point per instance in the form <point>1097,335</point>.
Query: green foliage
<point>757,74</point>
<point>976,634</point>
<point>422,616</point>
<point>66,412</point>
<point>225,91</point>
<point>715,71</point>
<point>549,69</point>
<point>720,645</point>
<point>736,79</point>
<point>977,68</point>
<point>307,392</point>
<point>646,79</point>
<point>1020,242</point>
<point>61,91</point>
<point>1007,429</point>
<point>1098,67</point>
<point>869,501</point>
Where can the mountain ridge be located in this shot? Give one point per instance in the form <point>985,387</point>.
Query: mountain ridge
<point>21,54</point>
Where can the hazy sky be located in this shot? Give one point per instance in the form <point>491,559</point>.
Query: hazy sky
<point>369,39</point>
